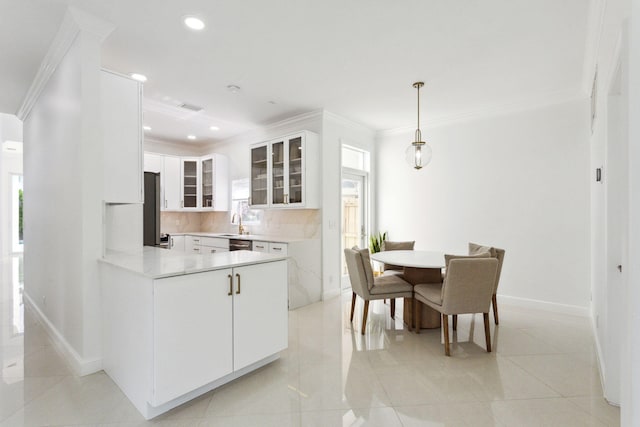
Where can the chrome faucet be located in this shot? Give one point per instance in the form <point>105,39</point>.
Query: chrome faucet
<point>240,226</point>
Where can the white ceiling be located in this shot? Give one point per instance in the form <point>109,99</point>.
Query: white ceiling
<point>355,58</point>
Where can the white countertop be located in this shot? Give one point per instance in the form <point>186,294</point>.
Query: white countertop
<point>156,263</point>
<point>259,237</point>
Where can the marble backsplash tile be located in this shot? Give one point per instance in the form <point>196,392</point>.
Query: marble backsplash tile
<point>297,223</point>
<point>179,222</point>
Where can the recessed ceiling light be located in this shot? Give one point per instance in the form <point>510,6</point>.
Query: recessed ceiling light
<point>214,128</point>
<point>138,77</point>
<point>146,127</point>
<point>193,23</point>
<point>233,88</point>
<point>192,137</point>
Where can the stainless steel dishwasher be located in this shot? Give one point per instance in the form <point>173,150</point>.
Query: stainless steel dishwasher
<point>240,245</point>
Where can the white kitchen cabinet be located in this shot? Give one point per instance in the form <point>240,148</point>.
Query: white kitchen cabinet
<point>185,358</point>
<point>285,172</point>
<point>278,248</point>
<point>214,183</point>
<point>171,182</point>
<point>169,169</point>
<point>154,163</point>
<point>177,243</point>
<point>260,246</point>
<point>121,116</point>
<point>259,182</point>
<point>190,171</point>
<point>204,244</point>
<point>260,319</point>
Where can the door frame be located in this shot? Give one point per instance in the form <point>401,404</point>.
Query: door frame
<point>366,218</point>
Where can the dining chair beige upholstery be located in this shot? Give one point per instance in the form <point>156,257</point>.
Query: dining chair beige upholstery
<point>497,253</point>
<point>369,288</point>
<point>466,289</point>
<point>390,269</point>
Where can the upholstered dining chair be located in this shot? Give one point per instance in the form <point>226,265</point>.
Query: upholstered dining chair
<point>497,253</point>
<point>466,289</point>
<point>369,288</point>
<point>390,269</point>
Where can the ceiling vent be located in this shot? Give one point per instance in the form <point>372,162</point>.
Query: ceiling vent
<point>190,107</point>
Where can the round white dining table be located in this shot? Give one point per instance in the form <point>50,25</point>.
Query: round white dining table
<point>419,267</point>
<point>416,259</point>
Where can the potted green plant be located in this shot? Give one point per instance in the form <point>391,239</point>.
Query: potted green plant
<point>375,242</point>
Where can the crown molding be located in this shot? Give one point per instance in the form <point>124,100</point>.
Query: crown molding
<point>292,120</point>
<point>348,123</point>
<point>555,98</point>
<point>592,43</point>
<point>74,22</point>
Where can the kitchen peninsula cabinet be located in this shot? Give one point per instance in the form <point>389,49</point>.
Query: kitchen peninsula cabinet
<point>285,172</point>
<point>155,306</point>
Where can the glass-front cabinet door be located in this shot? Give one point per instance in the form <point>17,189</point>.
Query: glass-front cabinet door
<point>189,183</point>
<point>259,176</point>
<point>278,163</point>
<point>207,183</point>
<point>294,169</point>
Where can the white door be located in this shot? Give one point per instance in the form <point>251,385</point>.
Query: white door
<point>260,313</point>
<point>354,217</point>
<point>617,186</point>
<point>193,333</point>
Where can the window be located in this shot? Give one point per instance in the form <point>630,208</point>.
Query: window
<point>240,202</point>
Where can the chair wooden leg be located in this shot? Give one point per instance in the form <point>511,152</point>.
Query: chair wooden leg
<point>392,302</point>
<point>353,305</point>
<point>494,302</point>
<point>445,328</point>
<point>417,314</point>
<point>487,333</point>
<point>364,315</point>
<point>455,322</point>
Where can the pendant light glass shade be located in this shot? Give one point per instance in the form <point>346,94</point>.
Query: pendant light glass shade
<point>419,153</point>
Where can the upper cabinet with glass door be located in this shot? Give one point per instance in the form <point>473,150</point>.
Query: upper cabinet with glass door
<point>258,196</point>
<point>290,178</point>
<point>190,180</point>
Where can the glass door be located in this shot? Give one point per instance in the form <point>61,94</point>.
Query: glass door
<point>207,183</point>
<point>278,194</point>
<point>294,194</point>
<point>189,183</point>
<point>259,187</point>
<point>354,217</point>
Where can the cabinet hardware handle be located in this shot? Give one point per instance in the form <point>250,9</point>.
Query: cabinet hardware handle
<point>259,247</point>
<point>238,277</point>
<point>230,285</point>
<point>171,243</point>
<point>277,249</point>
<point>213,250</point>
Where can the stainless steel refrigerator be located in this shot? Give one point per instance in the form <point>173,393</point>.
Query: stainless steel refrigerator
<point>151,209</point>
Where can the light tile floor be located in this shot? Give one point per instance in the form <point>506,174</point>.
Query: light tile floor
<point>542,373</point>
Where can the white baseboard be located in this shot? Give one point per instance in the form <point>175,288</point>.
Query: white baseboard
<point>554,307</point>
<point>79,365</point>
<point>331,293</point>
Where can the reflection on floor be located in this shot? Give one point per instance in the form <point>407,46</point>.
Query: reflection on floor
<point>542,372</point>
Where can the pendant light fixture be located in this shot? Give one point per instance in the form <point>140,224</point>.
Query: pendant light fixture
<point>418,154</point>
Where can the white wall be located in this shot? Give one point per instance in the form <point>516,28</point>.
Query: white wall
<point>63,203</point>
<point>518,181</point>
<point>10,163</point>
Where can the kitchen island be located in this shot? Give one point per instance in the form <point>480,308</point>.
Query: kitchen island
<point>176,325</point>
